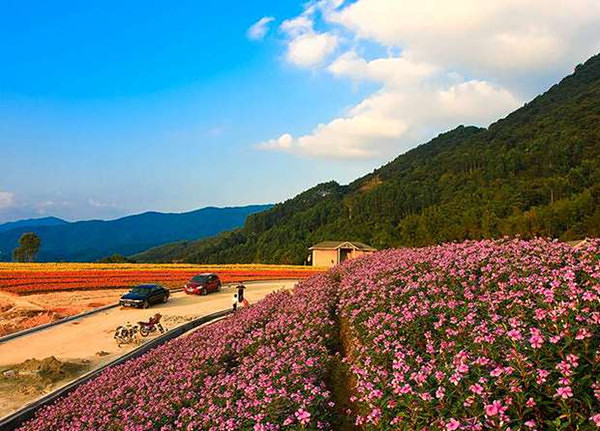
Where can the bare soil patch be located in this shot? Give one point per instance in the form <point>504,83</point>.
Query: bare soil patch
<point>34,378</point>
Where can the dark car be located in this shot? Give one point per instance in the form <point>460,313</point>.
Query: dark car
<point>202,284</point>
<point>144,295</point>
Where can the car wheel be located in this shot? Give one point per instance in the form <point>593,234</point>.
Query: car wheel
<point>145,304</point>
<point>204,292</point>
<point>219,287</point>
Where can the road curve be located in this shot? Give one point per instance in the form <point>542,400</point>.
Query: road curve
<point>84,338</point>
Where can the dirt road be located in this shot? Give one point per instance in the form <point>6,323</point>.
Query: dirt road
<point>88,342</point>
<point>84,338</point>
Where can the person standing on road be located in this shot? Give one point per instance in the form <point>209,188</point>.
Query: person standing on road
<point>240,292</point>
<point>234,301</point>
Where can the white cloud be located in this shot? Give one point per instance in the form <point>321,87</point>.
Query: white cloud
<point>297,26</point>
<point>305,46</point>
<point>7,199</point>
<point>448,63</point>
<point>260,28</point>
<point>394,120</point>
<point>311,49</point>
<point>393,71</point>
<point>491,39</point>
<point>284,142</point>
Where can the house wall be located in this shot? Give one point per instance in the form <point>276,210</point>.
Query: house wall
<point>330,257</point>
<point>324,257</point>
<point>359,253</point>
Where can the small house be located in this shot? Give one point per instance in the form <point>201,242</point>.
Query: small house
<point>330,253</point>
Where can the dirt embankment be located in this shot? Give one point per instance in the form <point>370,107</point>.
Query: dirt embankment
<point>33,378</point>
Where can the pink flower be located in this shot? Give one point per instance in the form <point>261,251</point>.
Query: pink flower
<point>564,392</point>
<point>493,409</point>
<point>462,368</point>
<point>542,374</point>
<point>582,334</point>
<point>303,416</point>
<point>555,339</point>
<point>439,393</point>
<point>496,372</point>
<point>536,341</point>
<point>515,334</point>
<point>596,420</point>
<point>452,424</point>
<point>476,389</point>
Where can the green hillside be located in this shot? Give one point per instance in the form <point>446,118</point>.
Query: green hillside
<point>534,173</point>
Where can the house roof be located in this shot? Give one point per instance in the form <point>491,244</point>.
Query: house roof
<point>577,243</point>
<point>334,245</point>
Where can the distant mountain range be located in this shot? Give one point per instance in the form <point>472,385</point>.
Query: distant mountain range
<point>32,222</point>
<point>534,173</point>
<point>87,241</point>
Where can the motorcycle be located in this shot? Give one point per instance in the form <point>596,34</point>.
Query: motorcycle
<point>125,334</point>
<point>151,326</point>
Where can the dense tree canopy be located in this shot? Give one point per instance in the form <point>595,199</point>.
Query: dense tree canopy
<point>29,247</point>
<point>534,173</point>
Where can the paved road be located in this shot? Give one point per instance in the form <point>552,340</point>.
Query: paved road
<point>84,338</point>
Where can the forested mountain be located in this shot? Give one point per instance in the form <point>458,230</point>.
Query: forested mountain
<point>534,173</point>
<point>86,241</point>
<point>32,223</point>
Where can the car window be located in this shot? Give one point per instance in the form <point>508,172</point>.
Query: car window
<point>140,290</point>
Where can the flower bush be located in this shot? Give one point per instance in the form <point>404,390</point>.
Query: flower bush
<point>478,335</point>
<point>261,369</point>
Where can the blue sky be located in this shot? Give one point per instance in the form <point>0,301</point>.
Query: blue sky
<point>110,108</point>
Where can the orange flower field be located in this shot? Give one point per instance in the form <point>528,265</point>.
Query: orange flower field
<point>28,278</point>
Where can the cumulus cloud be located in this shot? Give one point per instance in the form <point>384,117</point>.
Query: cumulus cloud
<point>7,199</point>
<point>448,63</point>
<point>394,120</point>
<point>305,46</point>
<point>491,39</point>
<point>311,48</point>
<point>284,142</point>
<point>393,71</point>
<point>260,28</point>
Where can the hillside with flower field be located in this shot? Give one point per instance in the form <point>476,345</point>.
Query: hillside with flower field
<point>471,336</point>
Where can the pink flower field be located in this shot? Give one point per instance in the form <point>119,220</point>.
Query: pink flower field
<point>479,335</point>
